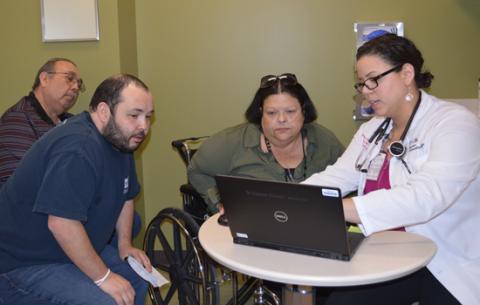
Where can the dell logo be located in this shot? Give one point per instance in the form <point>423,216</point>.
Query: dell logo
<point>280,216</point>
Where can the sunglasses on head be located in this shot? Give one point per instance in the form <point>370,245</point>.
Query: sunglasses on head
<point>271,80</point>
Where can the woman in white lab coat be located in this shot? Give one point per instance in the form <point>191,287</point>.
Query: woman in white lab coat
<point>415,166</point>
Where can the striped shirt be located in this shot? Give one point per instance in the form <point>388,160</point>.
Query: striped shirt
<point>20,126</point>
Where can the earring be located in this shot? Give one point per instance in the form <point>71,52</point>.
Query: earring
<point>409,97</point>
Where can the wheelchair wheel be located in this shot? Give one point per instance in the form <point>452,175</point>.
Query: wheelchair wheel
<point>171,243</point>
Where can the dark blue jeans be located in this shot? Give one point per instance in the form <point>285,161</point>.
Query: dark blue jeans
<point>65,284</point>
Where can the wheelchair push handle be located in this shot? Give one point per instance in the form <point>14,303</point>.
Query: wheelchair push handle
<point>178,144</point>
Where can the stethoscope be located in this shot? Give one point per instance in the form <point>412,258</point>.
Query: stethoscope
<point>396,148</point>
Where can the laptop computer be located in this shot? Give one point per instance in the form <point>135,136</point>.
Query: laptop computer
<point>285,216</point>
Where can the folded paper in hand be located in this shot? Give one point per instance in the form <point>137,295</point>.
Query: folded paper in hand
<point>154,277</point>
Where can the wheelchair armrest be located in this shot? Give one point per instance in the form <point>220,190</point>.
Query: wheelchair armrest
<point>188,189</point>
<point>193,203</point>
<point>178,144</point>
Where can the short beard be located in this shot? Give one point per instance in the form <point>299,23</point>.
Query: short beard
<point>115,137</point>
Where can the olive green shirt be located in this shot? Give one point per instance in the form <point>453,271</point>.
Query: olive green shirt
<point>236,151</point>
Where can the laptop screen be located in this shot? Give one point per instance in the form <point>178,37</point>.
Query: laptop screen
<point>285,216</point>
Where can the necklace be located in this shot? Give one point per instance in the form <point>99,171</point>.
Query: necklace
<point>290,172</point>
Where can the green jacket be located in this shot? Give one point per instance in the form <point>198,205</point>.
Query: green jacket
<point>236,151</point>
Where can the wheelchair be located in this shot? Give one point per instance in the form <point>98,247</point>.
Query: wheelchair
<point>171,242</point>
<point>192,202</point>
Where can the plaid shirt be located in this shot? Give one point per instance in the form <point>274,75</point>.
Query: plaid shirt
<point>20,126</point>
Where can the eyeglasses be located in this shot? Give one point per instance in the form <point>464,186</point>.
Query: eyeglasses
<point>271,80</point>
<point>372,82</point>
<point>71,78</point>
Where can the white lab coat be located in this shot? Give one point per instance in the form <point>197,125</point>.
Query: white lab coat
<point>439,200</point>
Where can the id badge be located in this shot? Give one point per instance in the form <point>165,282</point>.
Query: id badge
<point>376,166</point>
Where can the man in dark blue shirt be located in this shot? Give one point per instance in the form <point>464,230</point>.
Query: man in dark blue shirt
<point>73,188</point>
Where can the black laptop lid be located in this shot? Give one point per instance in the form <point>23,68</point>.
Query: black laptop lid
<point>291,217</point>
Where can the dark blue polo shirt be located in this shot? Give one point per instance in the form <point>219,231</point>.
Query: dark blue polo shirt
<point>71,172</point>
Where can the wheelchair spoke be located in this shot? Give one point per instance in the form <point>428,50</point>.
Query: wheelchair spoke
<point>163,267</point>
<point>157,294</point>
<point>157,297</point>
<point>166,247</point>
<point>189,257</point>
<point>171,292</point>
<point>177,243</point>
<point>158,259</point>
<point>190,294</point>
<point>172,245</point>
<point>194,279</point>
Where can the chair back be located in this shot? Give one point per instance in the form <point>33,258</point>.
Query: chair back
<point>187,147</point>
<point>193,203</point>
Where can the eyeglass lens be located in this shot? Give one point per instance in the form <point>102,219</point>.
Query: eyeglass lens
<point>71,78</point>
<point>372,82</point>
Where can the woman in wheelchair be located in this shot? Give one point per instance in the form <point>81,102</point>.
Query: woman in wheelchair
<point>280,141</point>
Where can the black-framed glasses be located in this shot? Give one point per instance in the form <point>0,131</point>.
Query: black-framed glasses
<point>271,80</point>
<point>71,78</point>
<point>372,82</point>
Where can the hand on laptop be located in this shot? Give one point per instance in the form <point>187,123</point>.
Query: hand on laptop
<point>222,219</point>
<point>220,208</point>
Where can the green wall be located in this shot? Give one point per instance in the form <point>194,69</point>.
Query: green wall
<point>203,61</point>
<point>23,52</point>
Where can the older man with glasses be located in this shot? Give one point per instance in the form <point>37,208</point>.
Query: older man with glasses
<point>54,91</point>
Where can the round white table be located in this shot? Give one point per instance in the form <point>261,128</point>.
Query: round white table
<point>381,257</point>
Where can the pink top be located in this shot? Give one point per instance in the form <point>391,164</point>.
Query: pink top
<point>382,182</point>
